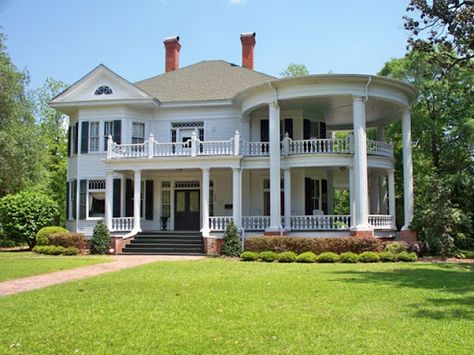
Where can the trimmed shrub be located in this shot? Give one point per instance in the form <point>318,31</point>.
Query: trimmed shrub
<point>71,251</point>
<point>388,257</point>
<point>267,256</point>
<point>49,249</point>
<point>328,257</point>
<point>408,257</point>
<point>68,239</point>
<point>396,247</point>
<point>306,257</point>
<point>349,258</point>
<point>100,242</point>
<point>417,247</point>
<point>300,245</point>
<point>22,215</point>
<point>369,257</point>
<point>231,245</point>
<point>249,256</point>
<point>44,233</point>
<point>286,257</point>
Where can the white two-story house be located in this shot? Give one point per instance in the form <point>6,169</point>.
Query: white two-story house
<point>199,146</point>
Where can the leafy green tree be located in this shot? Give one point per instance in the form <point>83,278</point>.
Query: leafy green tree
<point>295,70</point>
<point>231,246</point>
<point>20,146</point>
<point>100,242</point>
<point>53,131</point>
<point>443,146</point>
<point>23,214</point>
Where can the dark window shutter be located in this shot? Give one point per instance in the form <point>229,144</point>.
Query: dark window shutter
<point>306,129</point>
<point>324,195</point>
<point>117,198</point>
<point>117,136</point>
<point>173,136</point>
<point>309,193</point>
<point>67,199</point>
<point>264,132</point>
<point>76,139</point>
<point>289,127</point>
<point>149,199</point>
<point>85,137</point>
<point>201,134</point>
<point>82,199</point>
<point>128,198</point>
<point>74,199</point>
<point>322,129</point>
<point>69,141</point>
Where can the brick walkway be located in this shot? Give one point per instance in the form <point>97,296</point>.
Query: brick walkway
<point>119,262</point>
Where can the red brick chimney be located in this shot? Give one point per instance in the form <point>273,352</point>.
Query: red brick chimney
<point>172,53</point>
<point>248,43</point>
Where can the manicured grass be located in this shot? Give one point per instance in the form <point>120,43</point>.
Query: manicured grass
<point>21,264</point>
<point>222,306</point>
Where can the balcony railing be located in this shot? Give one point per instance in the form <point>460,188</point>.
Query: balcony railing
<point>237,147</point>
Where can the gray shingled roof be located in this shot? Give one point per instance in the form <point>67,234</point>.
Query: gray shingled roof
<point>203,81</point>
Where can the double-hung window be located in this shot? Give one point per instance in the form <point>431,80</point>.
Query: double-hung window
<point>138,132</point>
<point>108,131</point>
<point>94,137</point>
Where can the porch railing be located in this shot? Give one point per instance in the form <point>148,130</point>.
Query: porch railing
<point>122,224</point>
<point>324,222</point>
<point>254,149</point>
<point>219,223</point>
<point>315,146</point>
<point>252,223</point>
<point>381,221</point>
<point>379,148</point>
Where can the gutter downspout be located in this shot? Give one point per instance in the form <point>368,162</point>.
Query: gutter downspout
<point>367,89</point>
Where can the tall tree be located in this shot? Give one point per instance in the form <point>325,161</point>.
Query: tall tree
<point>53,131</point>
<point>295,70</point>
<point>20,148</point>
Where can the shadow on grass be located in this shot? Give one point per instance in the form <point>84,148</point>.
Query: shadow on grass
<point>453,281</point>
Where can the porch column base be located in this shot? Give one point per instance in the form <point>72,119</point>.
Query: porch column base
<point>408,235</point>
<point>362,232</point>
<point>205,232</point>
<point>213,246</point>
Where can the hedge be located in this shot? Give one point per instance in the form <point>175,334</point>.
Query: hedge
<point>300,245</point>
<point>55,250</point>
<point>68,239</point>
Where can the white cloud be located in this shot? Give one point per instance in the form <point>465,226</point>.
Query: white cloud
<point>238,2</point>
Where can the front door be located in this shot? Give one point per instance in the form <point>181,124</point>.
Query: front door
<point>186,210</point>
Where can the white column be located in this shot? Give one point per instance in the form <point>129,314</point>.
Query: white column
<point>287,192</point>
<point>236,194</point>
<point>360,165</point>
<point>274,133</point>
<point>391,196</point>
<point>407,169</point>
<point>330,176</point>
<point>351,196</point>
<point>137,179</point>
<point>109,191</point>
<point>205,202</point>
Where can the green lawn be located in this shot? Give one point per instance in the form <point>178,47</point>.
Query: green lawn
<point>20,264</point>
<point>221,306</point>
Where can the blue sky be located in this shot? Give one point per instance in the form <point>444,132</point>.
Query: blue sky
<point>66,39</point>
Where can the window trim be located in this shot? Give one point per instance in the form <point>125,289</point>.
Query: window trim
<point>91,123</point>
<point>132,137</point>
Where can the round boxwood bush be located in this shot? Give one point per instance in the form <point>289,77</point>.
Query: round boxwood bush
<point>23,214</point>
<point>307,257</point>
<point>395,247</point>
<point>249,256</point>
<point>100,242</point>
<point>286,257</point>
<point>408,257</point>
<point>328,257</point>
<point>369,257</point>
<point>349,257</point>
<point>388,257</point>
<point>42,237</point>
<point>267,256</point>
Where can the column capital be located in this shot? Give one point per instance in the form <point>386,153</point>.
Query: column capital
<point>407,110</point>
<point>357,98</point>
<point>206,169</point>
<point>274,104</point>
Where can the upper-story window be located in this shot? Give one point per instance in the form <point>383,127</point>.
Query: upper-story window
<point>74,139</point>
<point>94,137</point>
<point>138,132</point>
<point>108,131</point>
<point>103,90</point>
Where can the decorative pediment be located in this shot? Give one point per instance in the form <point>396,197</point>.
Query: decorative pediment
<point>99,85</point>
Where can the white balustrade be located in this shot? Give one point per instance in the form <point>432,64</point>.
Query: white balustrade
<point>379,148</point>
<point>381,221</point>
<point>172,149</point>
<point>138,150</point>
<point>255,148</point>
<point>216,147</point>
<point>219,223</point>
<point>255,222</point>
<point>320,222</point>
<point>122,224</point>
<point>311,146</point>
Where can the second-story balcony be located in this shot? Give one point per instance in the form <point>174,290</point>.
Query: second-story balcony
<point>235,146</point>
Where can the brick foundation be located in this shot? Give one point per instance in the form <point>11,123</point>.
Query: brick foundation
<point>213,246</point>
<point>362,233</point>
<point>118,243</point>
<point>408,236</point>
<point>274,234</point>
